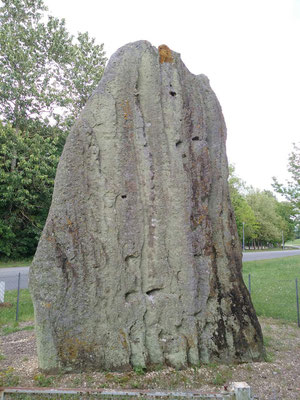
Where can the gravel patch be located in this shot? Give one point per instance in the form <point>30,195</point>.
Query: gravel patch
<point>276,379</point>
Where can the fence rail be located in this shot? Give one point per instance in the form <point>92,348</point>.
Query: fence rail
<point>237,391</point>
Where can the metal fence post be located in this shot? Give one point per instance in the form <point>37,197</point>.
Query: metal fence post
<point>18,298</point>
<point>297,300</point>
<point>249,284</point>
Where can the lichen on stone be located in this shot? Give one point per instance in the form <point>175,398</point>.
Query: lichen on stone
<point>165,54</point>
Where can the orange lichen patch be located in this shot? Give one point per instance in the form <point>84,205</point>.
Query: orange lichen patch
<point>47,305</point>
<point>69,222</point>
<point>126,110</point>
<point>200,219</point>
<point>51,239</point>
<point>165,54</point>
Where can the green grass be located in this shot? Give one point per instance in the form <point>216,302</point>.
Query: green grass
<point>273,290</point>
<point>15,263</point>
<point>295,241</point>
<point>6,330</point>
<point>8,314</point>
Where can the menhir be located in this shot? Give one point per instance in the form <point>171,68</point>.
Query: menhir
<point>139,262</point>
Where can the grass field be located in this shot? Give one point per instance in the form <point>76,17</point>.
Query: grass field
<point>295,241</point>
<point>15,263</point>
<point>273,290</point>
<point>8,310</point>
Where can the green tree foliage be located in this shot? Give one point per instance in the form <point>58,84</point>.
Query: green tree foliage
<point>265,218</point>
<point>291,190</point>
<point>242,210</point>
<point>287,213</point>
<point>31,54</point>
<point>270,223</point>
<point>25,191</point>
<point>46,77</point>
<point>44,74</point>
<point>82,74</point>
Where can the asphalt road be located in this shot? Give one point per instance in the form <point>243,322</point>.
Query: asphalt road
<point>265,255</point>
<point>10,275</point>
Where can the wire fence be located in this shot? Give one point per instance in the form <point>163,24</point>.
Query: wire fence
<point>11,281</point>
<point>11,295</point>
<point>278,299</point>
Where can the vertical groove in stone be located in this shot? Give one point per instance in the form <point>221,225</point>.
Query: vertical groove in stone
<point>139,262</point>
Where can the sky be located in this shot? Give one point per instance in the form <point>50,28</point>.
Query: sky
<point>249,49</point>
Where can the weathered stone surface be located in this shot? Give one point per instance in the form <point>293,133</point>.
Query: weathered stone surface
<point>139,262</point>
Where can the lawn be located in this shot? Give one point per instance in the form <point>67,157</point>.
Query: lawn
<point>273,289</point>
<point>16,263</point>
<point>295,242</point>
<point>8,310</point>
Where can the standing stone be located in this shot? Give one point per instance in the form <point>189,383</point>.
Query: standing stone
<point>139,262</point>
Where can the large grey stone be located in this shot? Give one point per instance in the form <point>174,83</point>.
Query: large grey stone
<point>139,262</point>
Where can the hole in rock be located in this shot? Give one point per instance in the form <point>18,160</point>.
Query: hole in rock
<point>195,138</point>
<point>178,143</point>
<point>124,196</point>
<point>183,155</point>
<point>172,93</point>
<point>129,295</point>
<point>152,291</point>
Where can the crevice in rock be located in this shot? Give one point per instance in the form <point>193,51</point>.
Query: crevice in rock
<point>172,93</point>
<point>195,138</point>
<point>153,291</point>
<point>178,143</point>
<point>128,295</point>
<point>129,256</point>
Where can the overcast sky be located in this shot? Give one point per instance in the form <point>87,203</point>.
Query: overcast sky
<point>249,49</point>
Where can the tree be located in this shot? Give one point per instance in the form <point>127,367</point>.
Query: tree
<point>83,73</point>
<point>242,210</point>
<point>46,77</point>
<point>31,53</point>
<point>25,191</point>
<point>287,212</point>
<point>291,191</point>
<point>270,223</point>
